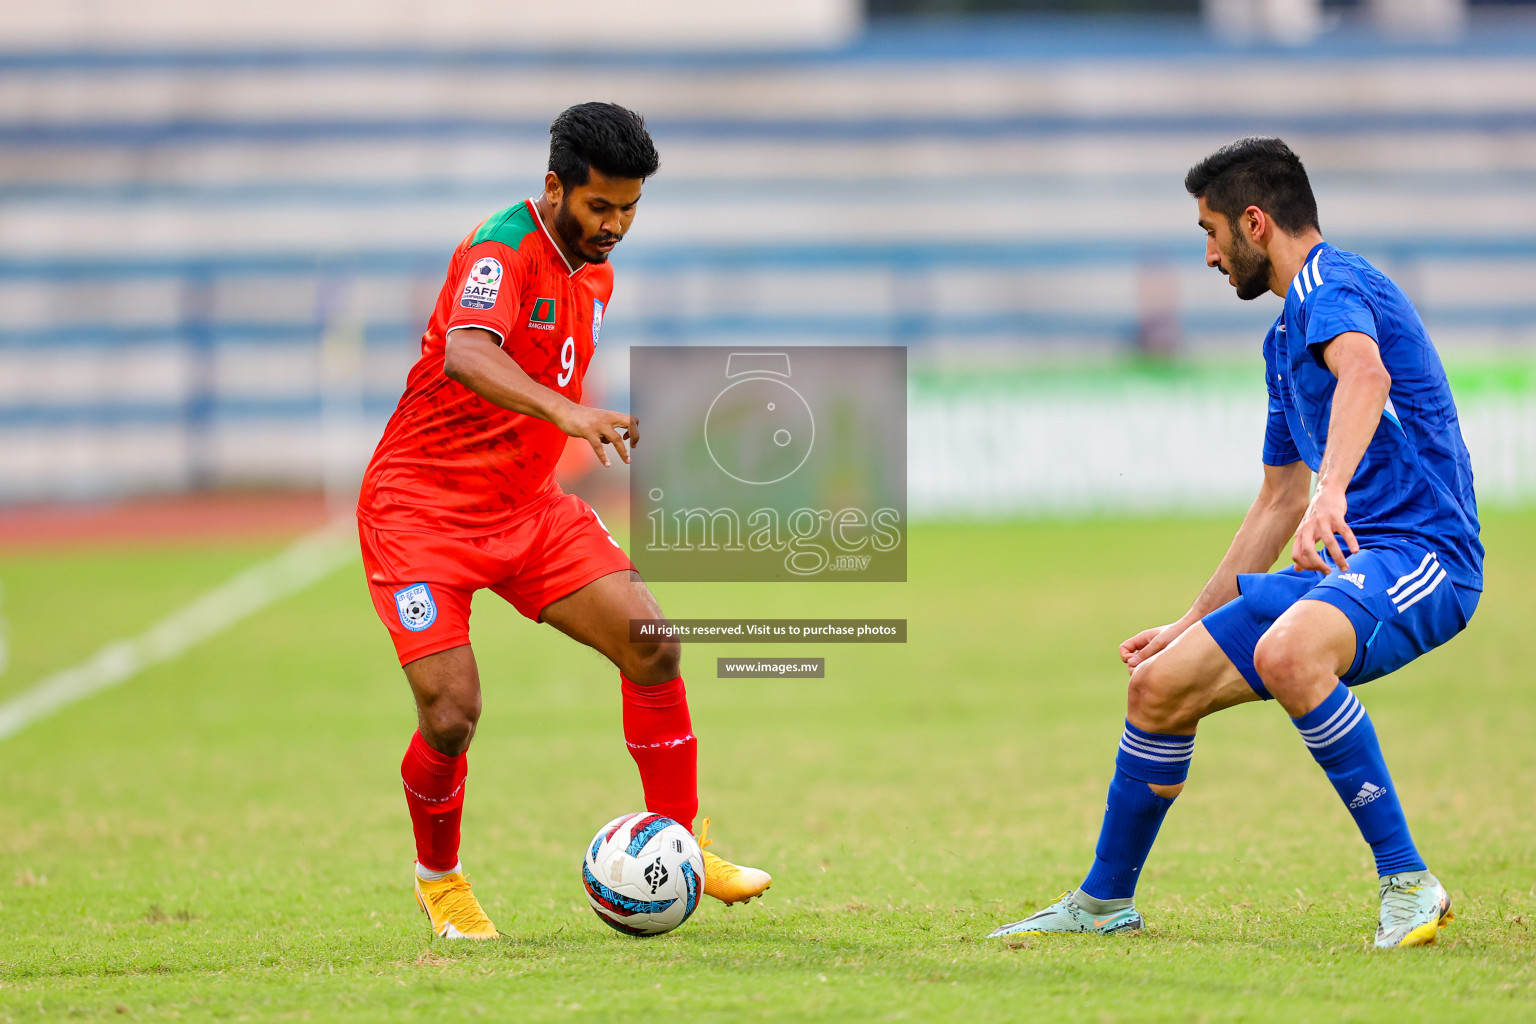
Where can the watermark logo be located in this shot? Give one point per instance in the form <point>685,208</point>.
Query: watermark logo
<point>759,429</point>
<point>769,464</point>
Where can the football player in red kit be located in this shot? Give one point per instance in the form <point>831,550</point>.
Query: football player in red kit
<point>460,496</point>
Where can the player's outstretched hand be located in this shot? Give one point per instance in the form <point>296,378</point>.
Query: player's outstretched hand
<point>1324,524</point>
<point>1149,641</point>
<point>599,427</point>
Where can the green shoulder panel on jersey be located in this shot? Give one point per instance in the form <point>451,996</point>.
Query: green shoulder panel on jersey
<point>507,227</point>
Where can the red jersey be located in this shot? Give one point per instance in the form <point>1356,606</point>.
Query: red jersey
<point>450,462</point>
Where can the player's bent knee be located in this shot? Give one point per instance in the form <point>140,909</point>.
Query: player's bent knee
<point>448,724</point>
<point>652,664</point>
<point>448,734</point>
<point>1153,698</point>
<point>1280,661</point>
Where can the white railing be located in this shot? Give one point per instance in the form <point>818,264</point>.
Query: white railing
<point>1147,450</point>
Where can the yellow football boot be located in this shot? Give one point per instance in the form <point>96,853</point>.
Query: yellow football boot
<point>451,906</point>
<point>727,882</point>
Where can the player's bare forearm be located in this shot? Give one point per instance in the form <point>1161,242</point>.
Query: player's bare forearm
<point>1270,522</point>
<point>1358,401</point>
<point>475,359</point>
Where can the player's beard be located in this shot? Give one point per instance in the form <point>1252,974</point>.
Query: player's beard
<point>1249,268</point>
<point>569,230</point>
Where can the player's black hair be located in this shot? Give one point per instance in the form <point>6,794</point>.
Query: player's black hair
<point>601,135</point>
<point>1256,171</point>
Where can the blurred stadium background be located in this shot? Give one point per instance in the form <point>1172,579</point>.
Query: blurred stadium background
<point>221,230</point>
<point>222,226</point>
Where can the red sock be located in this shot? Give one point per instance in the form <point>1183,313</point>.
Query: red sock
<point>434,791</point>
<point>660,738</point>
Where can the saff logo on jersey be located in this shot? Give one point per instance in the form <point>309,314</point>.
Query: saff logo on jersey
<point>483,285</point>
<point>597,319</point>
<point>543,318</point>
<point>417,609</point>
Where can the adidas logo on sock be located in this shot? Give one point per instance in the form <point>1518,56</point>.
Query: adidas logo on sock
<point>1357,578</point>
<point>1368,792</point>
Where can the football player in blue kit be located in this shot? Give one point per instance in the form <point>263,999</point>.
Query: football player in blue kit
<point>1357,395</point>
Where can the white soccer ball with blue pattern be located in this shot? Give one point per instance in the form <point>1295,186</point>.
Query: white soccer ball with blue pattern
<point>644,874</point>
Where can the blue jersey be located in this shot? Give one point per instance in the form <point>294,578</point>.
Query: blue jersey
<point>1414,482</point>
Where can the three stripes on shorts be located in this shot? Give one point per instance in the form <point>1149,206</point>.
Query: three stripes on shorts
<point>1417,585</point>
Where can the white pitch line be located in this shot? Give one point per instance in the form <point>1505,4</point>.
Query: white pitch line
<point>310,559</point>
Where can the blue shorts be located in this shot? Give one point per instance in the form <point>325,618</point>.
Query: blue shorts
<point>1397,596</point>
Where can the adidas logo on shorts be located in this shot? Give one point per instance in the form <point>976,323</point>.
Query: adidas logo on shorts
<point>1357,578</point>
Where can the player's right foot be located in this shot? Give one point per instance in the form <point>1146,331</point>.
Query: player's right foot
<point>1414,907</point>
<point>727,882</point>
<point>450,905</point>
<point>1066,916</point>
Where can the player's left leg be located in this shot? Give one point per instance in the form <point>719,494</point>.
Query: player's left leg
<point>1167,697</point>
<point>657,726</point>
<point>1301,659</point>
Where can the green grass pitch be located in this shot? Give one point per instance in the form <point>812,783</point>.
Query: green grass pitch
<point>223,837</point>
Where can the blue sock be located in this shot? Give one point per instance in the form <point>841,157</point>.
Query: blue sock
<point>1342,739</point>
<point>1133,813</point>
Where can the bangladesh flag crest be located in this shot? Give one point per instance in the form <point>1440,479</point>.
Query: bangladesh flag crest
<point>543,315</point>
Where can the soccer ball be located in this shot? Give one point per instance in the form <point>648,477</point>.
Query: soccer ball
<point>643,874</point>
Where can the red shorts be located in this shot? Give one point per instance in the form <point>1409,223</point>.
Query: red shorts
<point>421,583</point>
